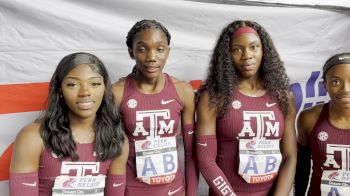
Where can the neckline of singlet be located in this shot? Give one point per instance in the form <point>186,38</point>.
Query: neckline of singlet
<point>325,111</point>
<point>133,86</point>
<point>244,95</point>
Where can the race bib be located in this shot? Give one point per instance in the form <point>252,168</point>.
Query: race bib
<point>259,160</point>
<point>335,183</point>
<point>79,185</point>
<point>156,160</point>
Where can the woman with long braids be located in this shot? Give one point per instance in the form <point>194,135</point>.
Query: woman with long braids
<point>246,116</point>
<point>78,147</point>
<point>153,104</point>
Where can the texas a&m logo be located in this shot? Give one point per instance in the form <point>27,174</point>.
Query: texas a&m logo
<point>265,126</point>
<point>156,118</point>
<point>343,151</point>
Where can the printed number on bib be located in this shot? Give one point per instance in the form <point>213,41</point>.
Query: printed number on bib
<point>156,160</point>
<point>79,185</point>
<point>335,182</point>
<point>259,159</point>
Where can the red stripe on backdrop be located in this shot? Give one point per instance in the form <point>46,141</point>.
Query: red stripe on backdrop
<point>23,97</point>
<point>5,160</point>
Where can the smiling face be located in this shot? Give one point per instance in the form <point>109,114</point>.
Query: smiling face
<point>83,89</point>
<point>337,83</point>
<point>246,54</point>
<point>150,51</point>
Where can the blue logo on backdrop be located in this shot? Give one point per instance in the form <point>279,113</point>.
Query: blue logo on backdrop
<point>310,94</point>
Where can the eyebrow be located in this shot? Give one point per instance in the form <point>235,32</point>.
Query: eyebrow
<point>77,78</point>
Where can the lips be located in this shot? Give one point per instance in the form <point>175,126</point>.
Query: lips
<point>85,105</point>
<point>152,69</point>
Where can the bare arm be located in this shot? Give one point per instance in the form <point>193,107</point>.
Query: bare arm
<point>288,149</point>
<point>25,162</point>
<point>27,150</point>
<point>306,122</point>
<point>186,94</point>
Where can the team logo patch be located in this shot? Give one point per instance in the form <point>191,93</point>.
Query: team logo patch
<point>236,104</point>
<point>322,136</point>
<point>132,103</point>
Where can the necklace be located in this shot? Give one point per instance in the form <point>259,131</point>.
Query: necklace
<point>82,139</point>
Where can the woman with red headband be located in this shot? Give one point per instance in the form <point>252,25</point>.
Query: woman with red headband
<point>246,116</point>
<point>324,135</point>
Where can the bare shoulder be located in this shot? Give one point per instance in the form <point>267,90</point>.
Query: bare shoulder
<point>308,118</point>
<point>30,135</point>
<point>27,149</point>
<point>118,89</point>
<point>182,87</point>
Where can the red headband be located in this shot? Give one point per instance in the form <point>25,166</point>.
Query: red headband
<point>244,29</point>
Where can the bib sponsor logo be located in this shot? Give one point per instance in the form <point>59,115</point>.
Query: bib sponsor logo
<point>265,126</point>
<point>156,118</point>
<point>236,104</point>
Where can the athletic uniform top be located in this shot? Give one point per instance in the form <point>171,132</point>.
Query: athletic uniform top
<point>50,167</point>
<point>148,116</point>
<point>330,147</point>
<point>246,118</point>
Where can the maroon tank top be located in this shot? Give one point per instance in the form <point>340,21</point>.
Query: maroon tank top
<point>150,116</point>
<point>246,118</point>
<point>328,145</point>
<point>50,167</point>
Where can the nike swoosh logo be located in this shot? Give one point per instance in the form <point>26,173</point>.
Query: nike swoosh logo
<point>29,184</point>
<point>270,104</point>
<point>190,132</point>
<point>163,102</point>
<point>172,192</point>
<point>205,144</point>
<point>116,185</point>
<point>342,58</point>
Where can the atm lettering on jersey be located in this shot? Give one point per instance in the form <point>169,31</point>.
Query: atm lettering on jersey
<point>80,168</point>
<point>265,125</point>
<point>344,153</point>
<point>156,119</point>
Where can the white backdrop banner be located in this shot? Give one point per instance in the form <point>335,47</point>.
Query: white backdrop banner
<point>36,34</point>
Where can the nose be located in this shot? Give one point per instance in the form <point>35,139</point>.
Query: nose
<point>151,55</point>
<point>346,86</point>
<point>246,54</point>
<point>84,90</point>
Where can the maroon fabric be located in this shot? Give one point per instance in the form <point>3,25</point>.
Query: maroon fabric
<point>338,141</point>
<point>150,115</point>
<point>257,113</point>
<point>191,170</point>
<point>206,154</point>
<point>24,184</point>
<point>115,185</point>
<point>50,167</point>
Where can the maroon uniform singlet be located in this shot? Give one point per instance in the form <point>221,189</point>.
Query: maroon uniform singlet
<point>247,118</point>
<point>145,117</point>
<point>330,149</point>
<point>50,167</point>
